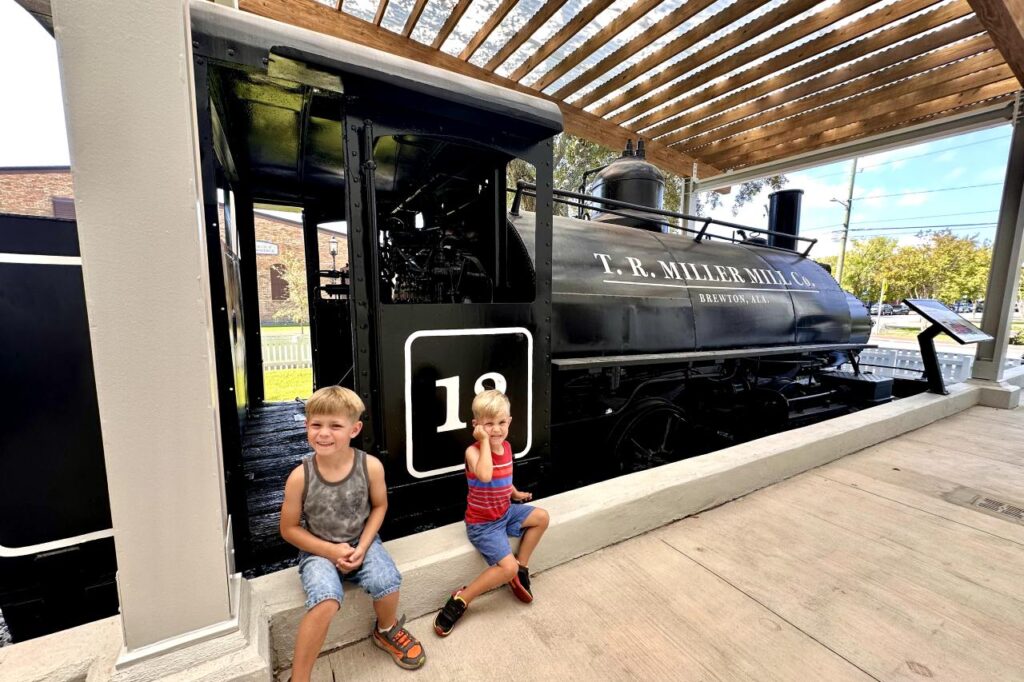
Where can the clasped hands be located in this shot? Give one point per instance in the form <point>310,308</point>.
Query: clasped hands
<point>346,557</point>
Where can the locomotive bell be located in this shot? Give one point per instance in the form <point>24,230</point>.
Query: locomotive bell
<point>629,178</point>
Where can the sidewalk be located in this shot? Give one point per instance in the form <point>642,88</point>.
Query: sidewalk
<point>902,561</point>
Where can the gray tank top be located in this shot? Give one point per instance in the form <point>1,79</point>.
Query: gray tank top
<point>336,512</point>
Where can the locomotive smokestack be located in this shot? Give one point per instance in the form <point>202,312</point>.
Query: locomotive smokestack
<point>784,217</point>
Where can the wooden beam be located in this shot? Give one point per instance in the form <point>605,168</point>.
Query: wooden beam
<point>381,9</point>
<point>499,13</point>
<point>670,21</point>
<point>632,14</point>
<point>815,46</point>
<point>546,11</point>
<point>678,45</point>
<point>571,28</point>
<point>647,113</point>
<point>971,73</point>
<point>1004,20</point>
<point>316,17</point>
<point>414,17</point>
<point>741,103</point>
<point>853,80</point>
<point>449,24</point>
<point>960,103</point>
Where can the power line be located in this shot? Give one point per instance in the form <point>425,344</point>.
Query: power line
<point>924,227</point>
<point>929,191</point>
<point>818,228</point>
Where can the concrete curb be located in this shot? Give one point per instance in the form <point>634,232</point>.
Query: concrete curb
<point>585,520</point>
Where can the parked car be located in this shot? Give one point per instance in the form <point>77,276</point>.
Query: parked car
<point>901,309</point>
<point>886,309</point>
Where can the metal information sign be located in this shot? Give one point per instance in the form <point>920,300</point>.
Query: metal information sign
<point>946,321</point>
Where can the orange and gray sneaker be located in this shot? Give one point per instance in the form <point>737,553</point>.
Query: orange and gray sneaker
<point>449,615</point>
<point>520,585</point>
<point>403,647</point>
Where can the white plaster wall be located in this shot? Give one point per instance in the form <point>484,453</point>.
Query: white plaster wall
<point>125,71</point>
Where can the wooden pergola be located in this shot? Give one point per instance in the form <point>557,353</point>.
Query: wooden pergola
<point>711,86</point>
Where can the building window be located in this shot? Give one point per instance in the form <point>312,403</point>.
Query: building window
<point>278,284</point>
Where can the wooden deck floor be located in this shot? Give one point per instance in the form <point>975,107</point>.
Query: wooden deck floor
<point>904,561</point>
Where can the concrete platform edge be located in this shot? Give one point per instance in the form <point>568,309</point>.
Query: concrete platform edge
<point>585,520</point>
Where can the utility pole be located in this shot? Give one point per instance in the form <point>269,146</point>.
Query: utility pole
<point>848,205</point>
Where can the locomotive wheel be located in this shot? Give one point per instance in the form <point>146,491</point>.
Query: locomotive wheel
<point>652,433</point>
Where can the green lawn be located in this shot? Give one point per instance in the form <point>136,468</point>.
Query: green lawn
<point>287,384</point>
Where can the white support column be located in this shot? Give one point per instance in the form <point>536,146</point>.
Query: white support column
<point>126,75</point>
<point>1007,251</point>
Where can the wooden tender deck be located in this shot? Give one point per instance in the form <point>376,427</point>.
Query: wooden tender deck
<point>887,564</point>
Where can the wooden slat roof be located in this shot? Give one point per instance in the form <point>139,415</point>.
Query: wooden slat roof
<point>711,85</point>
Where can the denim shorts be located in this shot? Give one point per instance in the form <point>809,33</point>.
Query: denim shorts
<point>491,537</point>
<point>321,579</point>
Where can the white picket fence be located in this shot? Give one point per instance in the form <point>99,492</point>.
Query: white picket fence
<point>892,362</point>
<point>287,351</point>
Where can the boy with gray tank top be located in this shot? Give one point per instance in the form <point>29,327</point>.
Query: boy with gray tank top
<point>334,504</point>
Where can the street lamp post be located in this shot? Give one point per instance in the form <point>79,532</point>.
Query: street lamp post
<point>848,205</point>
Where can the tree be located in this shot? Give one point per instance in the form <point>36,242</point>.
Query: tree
<point>295,309</point>
<point>868,267</point>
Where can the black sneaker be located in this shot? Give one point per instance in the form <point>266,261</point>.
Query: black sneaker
<point>520,585</point>
<point>450,614</point>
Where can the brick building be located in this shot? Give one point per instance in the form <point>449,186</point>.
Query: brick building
<point>47,192</point>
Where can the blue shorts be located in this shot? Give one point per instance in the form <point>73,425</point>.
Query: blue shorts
<point>491,538</point>
<point>321,579</point>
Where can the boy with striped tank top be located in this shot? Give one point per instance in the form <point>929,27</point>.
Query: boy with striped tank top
<point>490,516</point>
<point>334,504</point>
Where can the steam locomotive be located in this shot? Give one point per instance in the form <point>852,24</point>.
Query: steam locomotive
<point>632,338</point>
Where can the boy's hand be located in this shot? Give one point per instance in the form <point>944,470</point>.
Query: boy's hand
<point>342,552</point>
<point>520,496</point>
<point>353,561</point>
<point>480,434</point>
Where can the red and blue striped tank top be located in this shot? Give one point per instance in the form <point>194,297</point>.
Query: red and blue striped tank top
<point>489,501</point>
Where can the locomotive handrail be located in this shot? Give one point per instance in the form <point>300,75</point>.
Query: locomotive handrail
<point>579,200</point>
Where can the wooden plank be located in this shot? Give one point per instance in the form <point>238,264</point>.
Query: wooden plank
<point>808,96</point>
<point>670,21</point>
<point>546,11</point>
<point>898,592</point>
<point>497,16</point>
<point>776,72</point>
<point>614,616</point>
<point>773,92</point>
<point>571,28</point>
<point>972,72</point>
<point>316,17</point>
<point>1004,20</point>
<point>963,102</point>
<point>678,45</point>
<point>632,14</point>
<point>381,9</point>
<point>414,17</point>
<point>449,24</point>
<point>733,39</point>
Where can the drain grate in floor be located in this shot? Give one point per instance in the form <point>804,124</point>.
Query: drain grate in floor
<point>985,503</point>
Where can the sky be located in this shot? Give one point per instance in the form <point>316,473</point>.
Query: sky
<point>955,181</point>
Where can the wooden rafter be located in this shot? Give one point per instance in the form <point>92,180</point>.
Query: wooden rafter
<point>381,9</point>
<point>635,12</point>
<point>316,17</point>
<point>816,45</point>
<point>681,44</point>
<point>564,34</point>
<point>414,18</point>
<point>848,90</point>
<point>670,21</point>
<point>974,72</point>
<point>749,101</point>
<point>774,42</point>
<point>449,24</point>
<point>497,16</point>
<point>546,11</point>
<point>1004,20</point>
<point>963,102</point>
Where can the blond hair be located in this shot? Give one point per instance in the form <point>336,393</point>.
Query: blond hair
<point>335,400</point>
<point>490,404</point>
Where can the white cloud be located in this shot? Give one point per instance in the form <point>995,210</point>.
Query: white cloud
<point>914,199</point>
<point>873,197</point>
<point>955,173</point>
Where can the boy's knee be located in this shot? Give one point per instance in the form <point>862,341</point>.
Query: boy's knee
<point>543,518</point>
<point>508,567</point>
<point>325,609</point>
<point>382,584</point>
